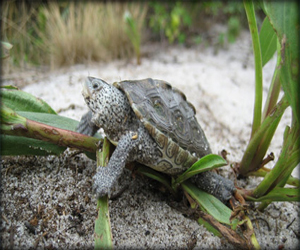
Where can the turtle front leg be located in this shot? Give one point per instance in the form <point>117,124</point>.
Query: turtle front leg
<point>86,126</point>
<point>106,177</point>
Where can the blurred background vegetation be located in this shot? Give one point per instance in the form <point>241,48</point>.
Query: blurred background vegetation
<point>56,34</point>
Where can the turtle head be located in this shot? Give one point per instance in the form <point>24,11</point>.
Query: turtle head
<point>95,92</point>
<point>91,86</point>
<point>109,104</point>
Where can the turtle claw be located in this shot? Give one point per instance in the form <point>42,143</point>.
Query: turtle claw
<point>103,182</point>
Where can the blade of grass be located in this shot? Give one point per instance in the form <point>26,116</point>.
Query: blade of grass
<point>249,8</point>
<point>206,163</point>
<point>275,87</point>
<point>263,146</point>
<point>279,194</point>
<point>250,151</point>
<point>287,161</point>
<point>133,34</point>
<point>284,18</point>
<point>103,235</point>
<point>293,181</point>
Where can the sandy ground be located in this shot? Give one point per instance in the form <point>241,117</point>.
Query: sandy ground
<point>47,201</point>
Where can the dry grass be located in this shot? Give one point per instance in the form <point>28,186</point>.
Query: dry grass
<point>60,34</point>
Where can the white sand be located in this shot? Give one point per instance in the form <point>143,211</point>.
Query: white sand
<point>57,190</point>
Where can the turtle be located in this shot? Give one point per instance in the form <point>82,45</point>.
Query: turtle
<point>149,122</point>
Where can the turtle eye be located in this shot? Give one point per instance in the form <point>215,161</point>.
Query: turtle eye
<point>95,85</point>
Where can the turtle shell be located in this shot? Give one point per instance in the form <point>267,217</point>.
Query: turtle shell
<point>169,118</point>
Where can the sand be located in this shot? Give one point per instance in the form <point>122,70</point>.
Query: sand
<point>54,193</point>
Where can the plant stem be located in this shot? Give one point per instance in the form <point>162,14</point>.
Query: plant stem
<point>288,160</point>
<point>103,235</point>
<point>293,181</point>
<point>14,124</point>
<point>274,115</point>
<point>249,8</point>
<point>61,137</point>
<point>275,87</point>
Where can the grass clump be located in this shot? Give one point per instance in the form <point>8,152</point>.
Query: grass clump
<point>87,32</point>
<point>62,34</point>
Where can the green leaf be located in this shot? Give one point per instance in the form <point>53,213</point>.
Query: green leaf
<point>293,181</point>
<point>249,8</point>
<point>9,119</point>
<point>54,120</point>
<point>206,163</point>
<point>287,161</point>
<point>103,235</point>
<point>268,41</point>
<point>51,119</point>
<point>284,17</point>
<point>209,203</point>
<point>19,100</point>
<point>28,146</point>
<point>249,154</point>
<point>9,87</point>
<point>48,127</point>
<point>280,194</point>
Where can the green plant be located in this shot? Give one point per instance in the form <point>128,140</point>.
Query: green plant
<point>17,26</point>
<point>103,235</point>
<point>60,33</point>
<point>171,25</point>
<point>5,49</point>
<point>234,29</point>
<point>32,123</point>
<point>134,32</point>
<point>278,34</point>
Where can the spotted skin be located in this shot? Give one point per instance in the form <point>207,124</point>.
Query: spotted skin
<point>153,131</point>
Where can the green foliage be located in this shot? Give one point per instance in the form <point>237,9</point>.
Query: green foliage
<point>66,33</point>
<point>61,33</point>
<point>170,23</point>
<point>133,31</point>
<point>279,30</point>
<point>234,13</point>
<point>209,203</point>
<point>32,123</point>
<point>284,18</point>
<point>279,194</point>
<point>206,163</point>
<point>19,100</point>
<point>268,41</point>
<point>5,49</point>
<point>234,28</point>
